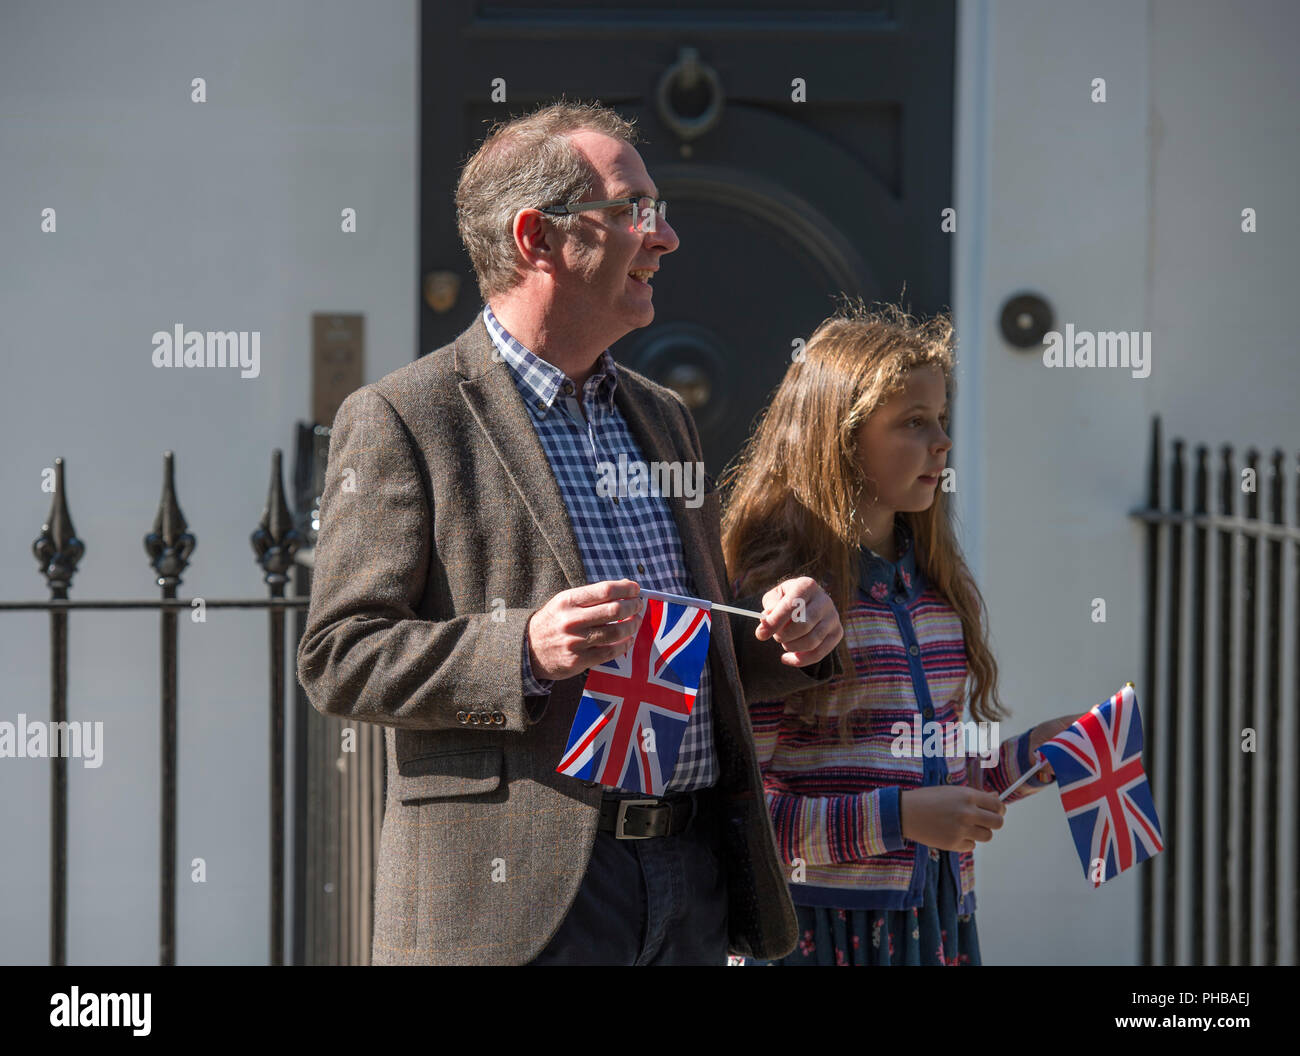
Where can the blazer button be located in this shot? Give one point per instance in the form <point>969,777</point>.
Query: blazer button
<point>498,718</point>
<point>461,718</point>
<point>474,718</point>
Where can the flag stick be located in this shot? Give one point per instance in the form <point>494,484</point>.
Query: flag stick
<point>680,599</point>
<point>739,612</point>
<point>1024,777</point>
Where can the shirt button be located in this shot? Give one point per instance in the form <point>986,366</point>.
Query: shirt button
<point>615,500</point>
<point>541,405</point>
<point>568,387</point>
<point>913,649</point>
<point>640,567</point>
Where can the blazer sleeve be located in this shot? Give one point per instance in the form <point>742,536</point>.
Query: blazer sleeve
<point>365,654</point>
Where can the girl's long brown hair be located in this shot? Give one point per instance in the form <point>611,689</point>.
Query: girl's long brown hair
<point>794,492</point>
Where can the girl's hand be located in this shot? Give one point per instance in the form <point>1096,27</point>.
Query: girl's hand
<point>949,817</point>
<point>1045,731</point>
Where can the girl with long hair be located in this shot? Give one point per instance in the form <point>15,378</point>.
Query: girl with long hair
<point>876,800</point>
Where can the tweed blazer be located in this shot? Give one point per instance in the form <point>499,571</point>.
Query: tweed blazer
<point>442,531</point>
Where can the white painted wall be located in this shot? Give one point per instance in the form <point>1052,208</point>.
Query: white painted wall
<point>1125,216</point>
<point>221,216</point>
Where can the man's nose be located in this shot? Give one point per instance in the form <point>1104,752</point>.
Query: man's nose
<point>663,238</point>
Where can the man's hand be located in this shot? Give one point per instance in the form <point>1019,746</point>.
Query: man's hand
<point>801,616</point>
<point>583,627</point>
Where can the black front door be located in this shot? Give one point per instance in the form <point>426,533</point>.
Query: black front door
<point>803,152</point>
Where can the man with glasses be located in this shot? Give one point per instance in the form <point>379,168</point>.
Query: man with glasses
<point>469,572</point>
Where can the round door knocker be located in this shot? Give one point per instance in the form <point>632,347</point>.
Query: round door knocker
<point>1026,317</point>
<point>692,361</point>
<point>689,96</point>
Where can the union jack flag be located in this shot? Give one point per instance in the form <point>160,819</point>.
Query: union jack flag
<point>1104,790</point>
<point>634,708</point>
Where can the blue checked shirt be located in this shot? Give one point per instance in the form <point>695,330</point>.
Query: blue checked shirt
<point>624,537</point>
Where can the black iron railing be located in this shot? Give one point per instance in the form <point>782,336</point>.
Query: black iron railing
<point>338,789</point>
<point>1220,731</point>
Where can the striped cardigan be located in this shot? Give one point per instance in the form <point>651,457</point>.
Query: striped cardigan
<point>835,805</point>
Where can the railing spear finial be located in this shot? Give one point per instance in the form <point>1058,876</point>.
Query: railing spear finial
<point>276,540</point>
<point>57,548</point>
<point>169,545</point>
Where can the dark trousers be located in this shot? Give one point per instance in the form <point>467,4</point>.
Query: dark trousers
<point>656,901</point>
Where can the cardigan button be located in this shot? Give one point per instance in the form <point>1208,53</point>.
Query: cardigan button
<point>913,649</point>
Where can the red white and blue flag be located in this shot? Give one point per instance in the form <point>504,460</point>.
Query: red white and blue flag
<point>1104,790</point>
<point>634,708</point>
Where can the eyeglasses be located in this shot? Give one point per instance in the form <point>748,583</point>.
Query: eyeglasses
<point>644,212</point>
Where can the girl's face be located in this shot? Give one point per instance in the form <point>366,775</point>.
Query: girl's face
<point>903,446</point>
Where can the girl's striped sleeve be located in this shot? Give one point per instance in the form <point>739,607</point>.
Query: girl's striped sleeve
<point>823,830</point>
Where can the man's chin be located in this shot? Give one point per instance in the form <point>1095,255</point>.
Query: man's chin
<point>641,315</point>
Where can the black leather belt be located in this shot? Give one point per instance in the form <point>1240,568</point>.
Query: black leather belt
<point>640,819</point>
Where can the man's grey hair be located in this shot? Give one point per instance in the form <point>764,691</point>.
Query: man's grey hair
<point>526,162</point>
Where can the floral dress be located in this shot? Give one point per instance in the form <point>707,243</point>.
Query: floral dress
<point>932,934</point>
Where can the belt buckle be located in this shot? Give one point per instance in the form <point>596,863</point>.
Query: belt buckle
<point>621,820</point>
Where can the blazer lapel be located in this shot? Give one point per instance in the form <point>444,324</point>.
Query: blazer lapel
<point>645,420</point>
<point>489,390</point>
<point>642,410</point>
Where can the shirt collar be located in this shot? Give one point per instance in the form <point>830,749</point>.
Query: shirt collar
<point>879,579</point>
<point>540,382</point>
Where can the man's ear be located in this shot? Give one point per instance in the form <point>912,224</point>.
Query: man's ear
<point>535,239</point>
